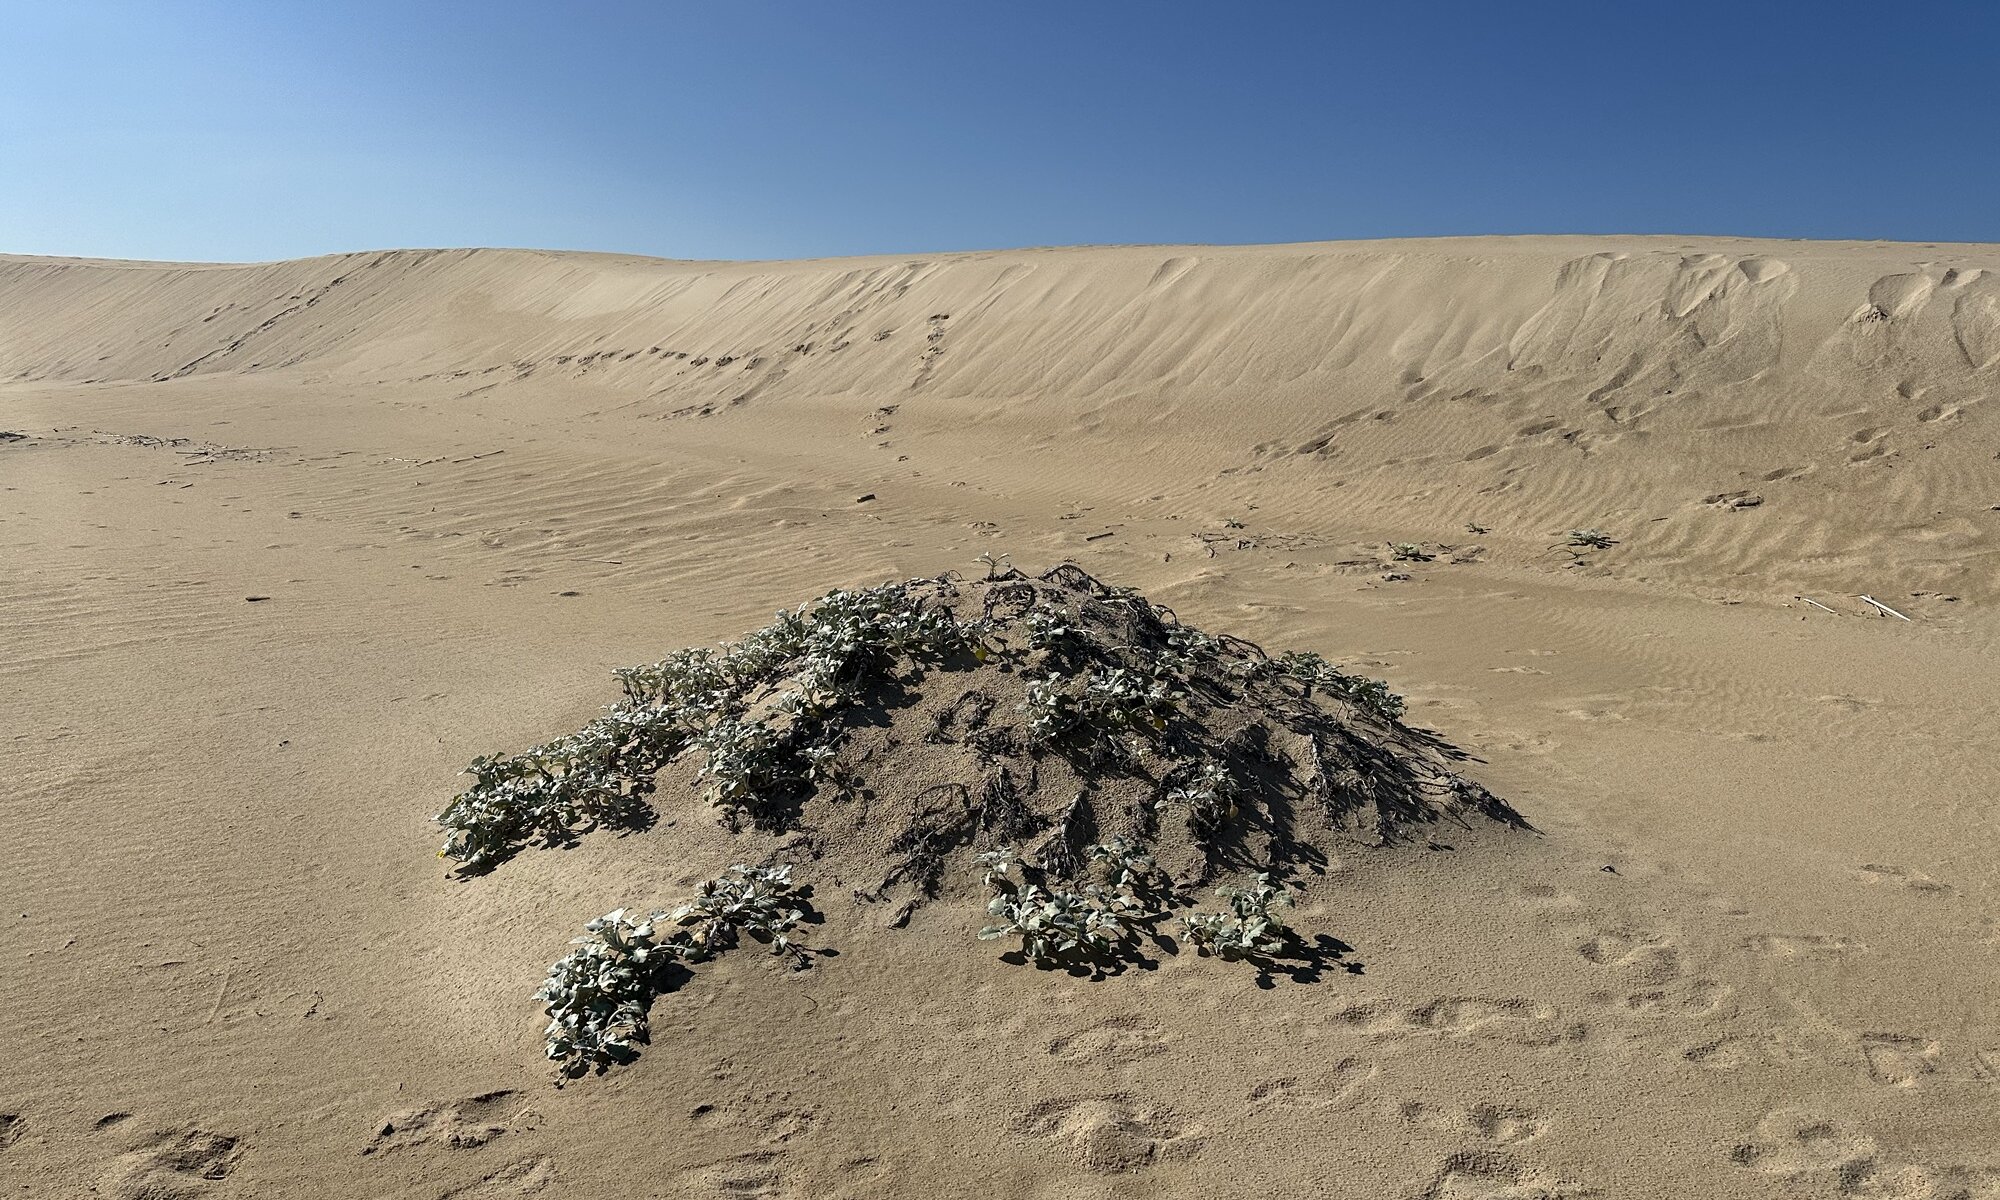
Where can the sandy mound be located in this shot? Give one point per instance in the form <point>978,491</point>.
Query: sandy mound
<point>1102,756</point>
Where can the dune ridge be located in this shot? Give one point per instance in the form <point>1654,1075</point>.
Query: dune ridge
<point>1838,389</point>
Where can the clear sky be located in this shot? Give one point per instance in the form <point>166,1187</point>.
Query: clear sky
<point>766,129</point>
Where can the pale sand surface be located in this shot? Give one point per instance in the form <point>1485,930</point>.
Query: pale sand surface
<point>230,955</point>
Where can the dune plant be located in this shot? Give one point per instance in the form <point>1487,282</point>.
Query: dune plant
<point>758,901</point>
<point>1087,920</point>
<point>1129,867</point>
<point>1249,928</point>
<point>1206,789</point>
<point>1595,539</point>
<point>1316,671</point>
<point>1053,633</point>
<point>1052,924</point>
<point>749,765</point>
<point>831,647</point>
<point>598,996</point>
<point>545,793</point>
<point>1409,552</point>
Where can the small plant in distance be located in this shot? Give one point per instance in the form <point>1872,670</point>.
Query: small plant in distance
<point>597,996</point>
<point>1090,921</point>
<point>1409,552</point>
<point>1052,713</point>
<point>1249,928</point>
<point>1053,924</point>
<point>1595,539</point>
<point>1052,633</point>
<point>1206,789</point>
<point>1130,868</point>
<point>1316,671</point>
<point>1119,699</point>
<point>1111,702</point>
<point>1002,865</point>
<point>752,900</point>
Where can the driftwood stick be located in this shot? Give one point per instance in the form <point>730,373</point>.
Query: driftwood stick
<point>1816,604</point>
<point>1885,608</point>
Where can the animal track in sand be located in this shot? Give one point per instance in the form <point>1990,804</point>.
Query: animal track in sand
<point>1492,1175</point>
<point>1683,998</point>
<point>772,1117</point>
<point>1551,905</point>
<point>1111,1134</point>
<point>757,1174</point>
<point>1986,1065</point>
<point>459,1125</point>
<point>1803,945</point>
<point>1512,1019</point>
<point>1336,1085</point>
<point>1731,1052</point>
<point>1803,1149</point>
<point>527,1177</point>
<point>1497,1124</point>
<point>1114,1039</point>
<point>1899,1059</point>
<point>12,1126</point>
<point>1908,877</point>
<point>1650,956</point>
<point>173,1164</point>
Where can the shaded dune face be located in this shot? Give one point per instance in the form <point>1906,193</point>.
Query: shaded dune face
<point>1543,379</point>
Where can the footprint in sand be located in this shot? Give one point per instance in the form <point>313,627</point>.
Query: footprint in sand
<point>12,1126</point>
<point>1795,1145</point>
<point>1899,1059</point>
<point>1119,1039</point>
<point>173,1164</point>
<point>758,1174</point>
<point>1908,877</point>
<point>1829,1156</point>
<point>1646,955</point>
<point>1497,1124</point>
<point>1334,1086</point>
<point>1731,1052</point>
<point>773,1117</point>
<point>1507,1019</point>
<point>1686,999</point>
<point>1112,1134</point>
<point>528,1177</point>
<point>459,1125</point>
<point>1492,1175</point>
<point>1551,905</point>
<point>1803,945</point>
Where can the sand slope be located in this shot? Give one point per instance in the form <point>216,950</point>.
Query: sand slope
<point>471,482</point>
<point>1543,382</point>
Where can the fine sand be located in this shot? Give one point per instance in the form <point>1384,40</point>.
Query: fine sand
<point>284,546</point>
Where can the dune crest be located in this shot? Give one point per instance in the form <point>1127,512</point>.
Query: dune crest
<point>1631,379</point>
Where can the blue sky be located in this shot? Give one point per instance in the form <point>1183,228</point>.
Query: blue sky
<point>766,129</point>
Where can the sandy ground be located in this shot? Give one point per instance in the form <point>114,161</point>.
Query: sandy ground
<point>1753,949</point>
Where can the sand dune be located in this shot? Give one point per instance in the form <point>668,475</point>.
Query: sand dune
<point>1526,382</point>
<point>287,544</point>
